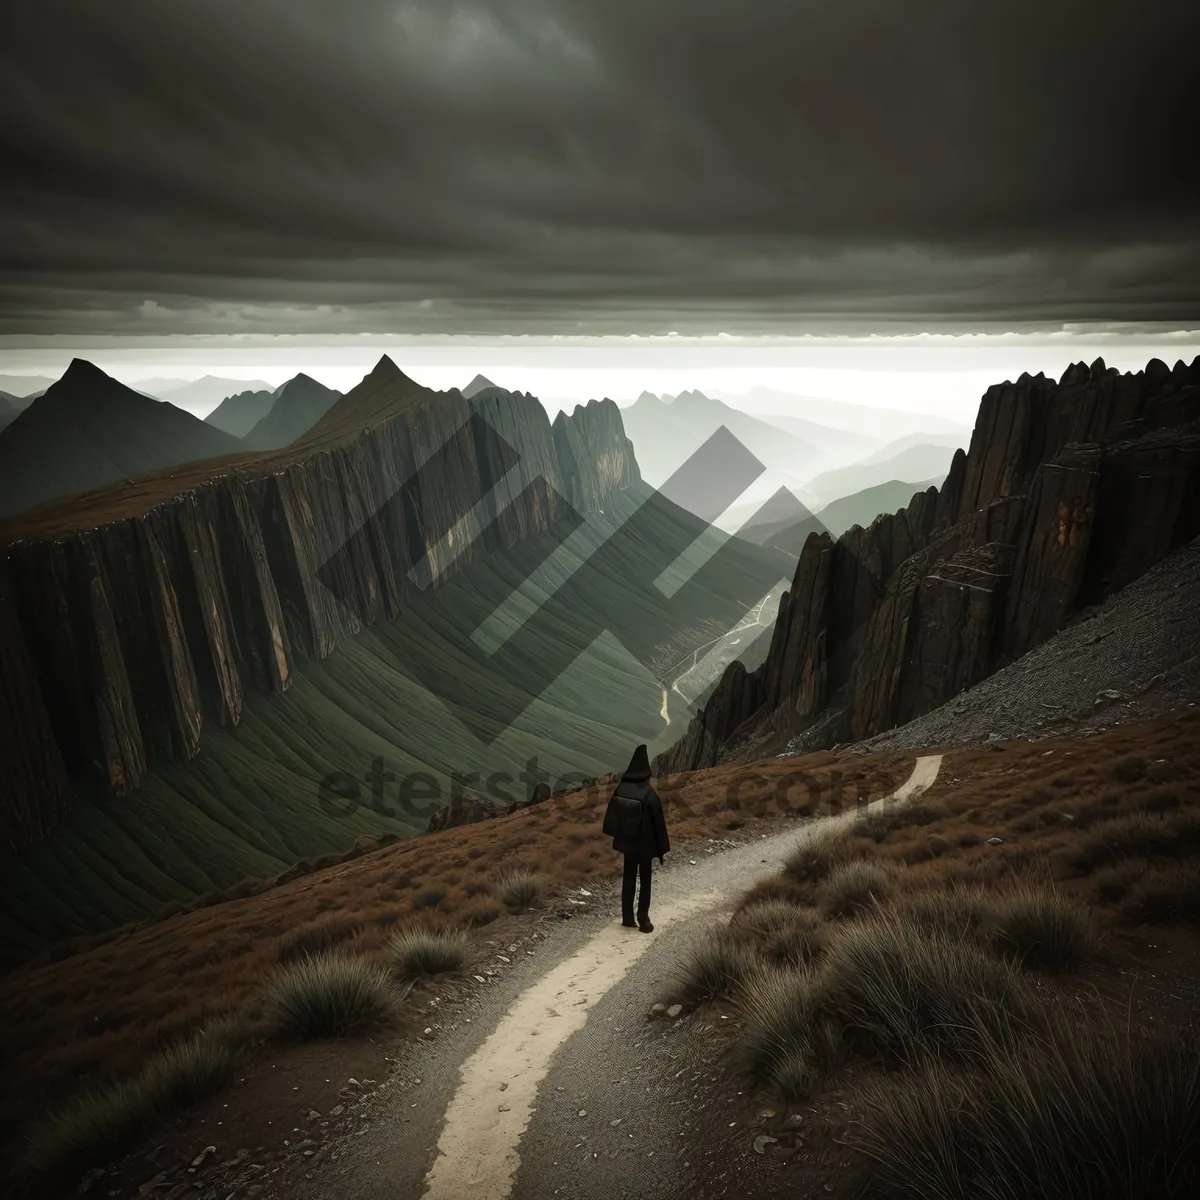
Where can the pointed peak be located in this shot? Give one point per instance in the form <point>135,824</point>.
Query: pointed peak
<point>783,507</point>
<point>479,384</point>
<point>384,370</point>
<point>81,370</point>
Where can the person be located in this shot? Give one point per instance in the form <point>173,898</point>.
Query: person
<point>635,822</point>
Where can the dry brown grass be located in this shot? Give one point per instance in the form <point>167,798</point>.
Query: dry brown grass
<point>94,1012</point>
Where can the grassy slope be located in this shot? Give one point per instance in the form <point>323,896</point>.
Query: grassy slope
<point>248,806</point>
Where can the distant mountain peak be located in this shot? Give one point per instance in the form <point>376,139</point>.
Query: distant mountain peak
<point>783,505</point>
<point>479,384</point>
<point>83,371</point>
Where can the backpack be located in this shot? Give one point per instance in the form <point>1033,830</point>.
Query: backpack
<point>629,816</point>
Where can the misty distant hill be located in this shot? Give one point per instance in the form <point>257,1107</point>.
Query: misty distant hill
<point>298,405</point>
<point>951,441</point>
<point>88,430</point>
<point>921,461</point>
<point>24,388</point>
<point>842,445</point>
<point>204,394</point>
<point>666,431</point>
<point>878,424</point>
<point>10,406</point>
<point>480,383</point>
<point>861,508</point>
<point>784,510</point>
<point>238,414</point>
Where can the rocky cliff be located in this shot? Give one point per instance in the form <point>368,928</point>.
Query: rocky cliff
<point>134,616</point>
<point>1069,491</point>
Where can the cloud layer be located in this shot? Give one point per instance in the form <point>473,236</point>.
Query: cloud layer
<point>608,165</point>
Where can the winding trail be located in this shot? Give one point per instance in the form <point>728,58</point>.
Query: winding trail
<point>502,1109</point>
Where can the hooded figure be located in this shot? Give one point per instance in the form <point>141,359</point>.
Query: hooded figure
<point>635,822</point>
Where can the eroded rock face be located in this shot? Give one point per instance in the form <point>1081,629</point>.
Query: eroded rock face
<point>1069,491</point>
<point>131,619</point>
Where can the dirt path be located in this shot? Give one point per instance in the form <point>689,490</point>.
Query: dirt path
<point>542,1091</point>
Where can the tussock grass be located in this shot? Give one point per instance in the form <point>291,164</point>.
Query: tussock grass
<point>1137,835</point>
<point>419,953</point>
<point>855,885</point>
<point>909,992</point>
<point>789,1042</point>
<point>1115,883</point>
<point>1129,770</point>
<point>815,856</point>
<point>878,823</point>
<point>1167,893</point>
<point>482,912</point>
<point>520,887</point>
<point>327,996</point>
<point>713,965</point>
<point>103,1123</point>
<point>317,937</point>
<point>1085,1114</point>
<point>1040,927</point>
<point>960,909</point>
<point>783,933</point>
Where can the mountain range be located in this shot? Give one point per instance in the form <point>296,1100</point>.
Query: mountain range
<point>239,413</point>
<point>880,424</point>
<point>186,659</point>
<point>201,395</point>
<point>24,388</point>
<point>297,406</point>
<point>666,430</point>
<point>88,430</point>
<point>913,460</point>
<point>1070,490</point>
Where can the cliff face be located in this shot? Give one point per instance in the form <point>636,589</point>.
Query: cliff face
<point>1069,491</point>
<point>131,618</point>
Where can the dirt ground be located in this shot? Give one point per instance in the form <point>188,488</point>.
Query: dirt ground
<point>97,1014</point>
<point>74,1023</point>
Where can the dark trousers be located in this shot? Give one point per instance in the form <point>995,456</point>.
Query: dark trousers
<point>635,866</point>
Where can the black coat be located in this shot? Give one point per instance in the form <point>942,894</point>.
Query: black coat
<point>652,841</point>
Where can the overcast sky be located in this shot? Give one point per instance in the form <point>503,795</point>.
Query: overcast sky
<point>601,166</point>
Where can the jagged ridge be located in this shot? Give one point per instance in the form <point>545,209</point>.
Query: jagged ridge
<point>1069,491</point>
<point>134,617</point>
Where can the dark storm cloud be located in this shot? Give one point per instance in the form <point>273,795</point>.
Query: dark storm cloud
<point>193,165</point>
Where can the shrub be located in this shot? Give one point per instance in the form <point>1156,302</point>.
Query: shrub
<point>330,995</point>
<point>788,1042</point>
<point>519,887</point>
<point>713,965</point>
<point>316,938</point>
<point>1129,770</point>
<point>103,1123</point>
<point>1040,927</point>
<point>783,933</point>
<point>1166,893</point>
<point>1136,835</point>
<point>818,853</point>
<point>422,952</point>
<point>1113,883</point>
<point>910,991</point>
<point>1082,1115</point>
<point>855,885</point>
